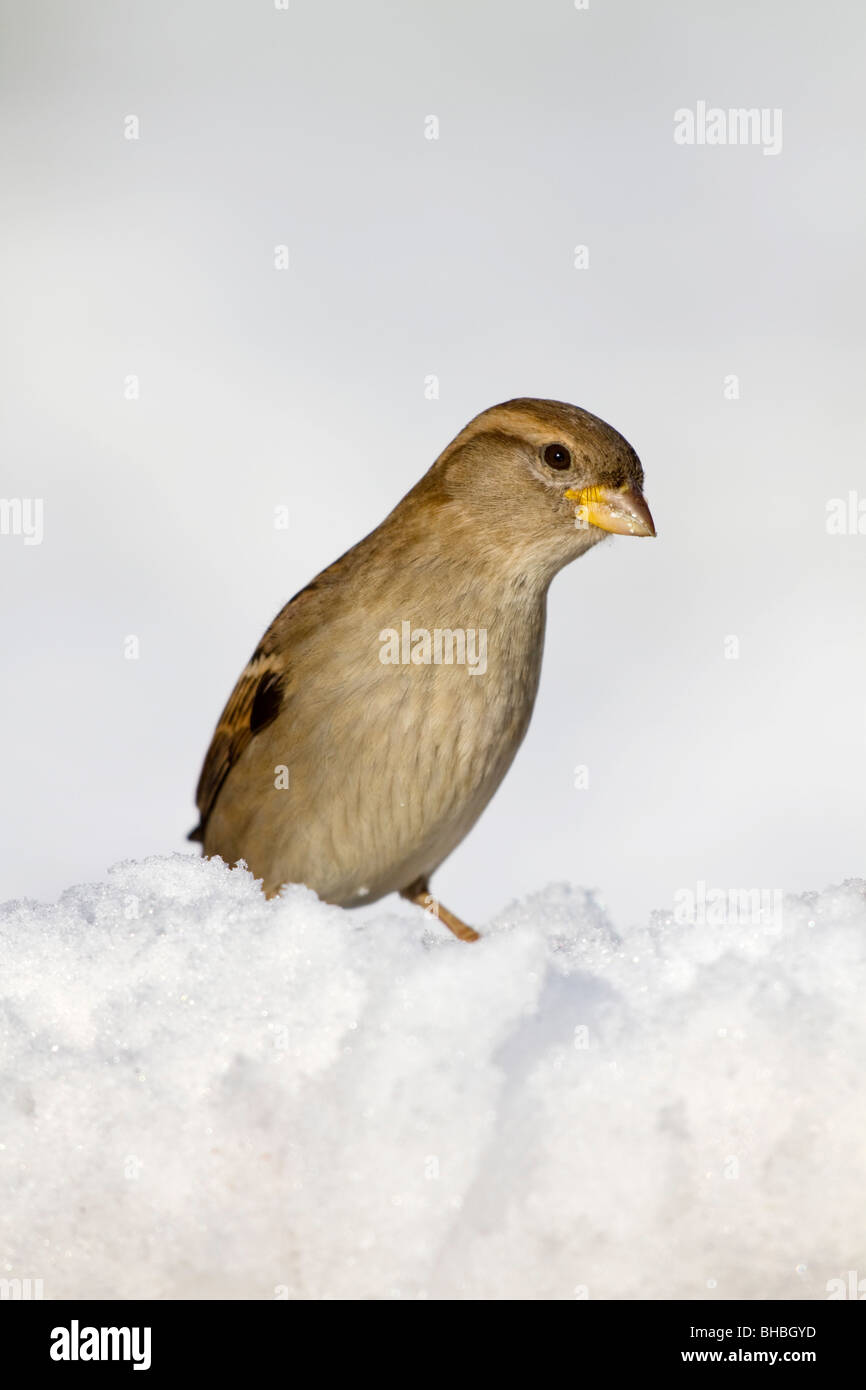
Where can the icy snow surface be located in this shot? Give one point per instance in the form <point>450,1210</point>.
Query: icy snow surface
<point>204,1094</point>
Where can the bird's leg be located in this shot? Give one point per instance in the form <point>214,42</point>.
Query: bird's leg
<point>419,893</point>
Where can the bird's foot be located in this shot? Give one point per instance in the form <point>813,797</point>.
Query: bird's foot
<point>419,893</point>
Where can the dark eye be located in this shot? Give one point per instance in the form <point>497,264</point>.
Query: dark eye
<point>557,456</point>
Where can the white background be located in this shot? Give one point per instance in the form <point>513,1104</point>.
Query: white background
<point>411,257</point>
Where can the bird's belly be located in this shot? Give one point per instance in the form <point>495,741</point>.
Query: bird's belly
<point>445,758</point>
<point>385,781</point>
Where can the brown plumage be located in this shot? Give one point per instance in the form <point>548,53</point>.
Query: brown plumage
<point>392,749</point>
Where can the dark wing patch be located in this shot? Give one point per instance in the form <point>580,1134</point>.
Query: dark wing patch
<point>253,705</point>
<point>266,701</point>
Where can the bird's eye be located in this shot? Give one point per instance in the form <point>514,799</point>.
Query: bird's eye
<point>557,456</point>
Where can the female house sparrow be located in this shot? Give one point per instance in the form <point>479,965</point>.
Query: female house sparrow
<point>386,701</point>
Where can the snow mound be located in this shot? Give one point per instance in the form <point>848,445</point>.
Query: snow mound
<point>204,1094</point>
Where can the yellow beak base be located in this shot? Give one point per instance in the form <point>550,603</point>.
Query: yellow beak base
<point>620,510</point>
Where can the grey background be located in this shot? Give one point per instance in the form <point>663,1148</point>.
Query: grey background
<point>453,257</point>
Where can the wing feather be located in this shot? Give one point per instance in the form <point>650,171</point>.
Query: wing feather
<point>260,692</point>
<point>253,705</point>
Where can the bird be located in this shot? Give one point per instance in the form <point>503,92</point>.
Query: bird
<point>386,701</point>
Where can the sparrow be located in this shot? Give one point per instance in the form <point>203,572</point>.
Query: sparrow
<point>386,701</point>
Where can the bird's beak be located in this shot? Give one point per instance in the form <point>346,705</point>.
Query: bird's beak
<point>621,510</point>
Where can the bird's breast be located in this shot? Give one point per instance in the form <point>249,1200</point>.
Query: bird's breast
<point>430,734</point>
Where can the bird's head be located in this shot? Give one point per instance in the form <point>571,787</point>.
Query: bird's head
<point>542,480</point>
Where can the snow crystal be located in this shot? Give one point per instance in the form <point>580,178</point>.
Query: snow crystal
<point>205,1094</point>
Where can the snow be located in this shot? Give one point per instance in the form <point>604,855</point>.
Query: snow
<point>205,1094</point>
